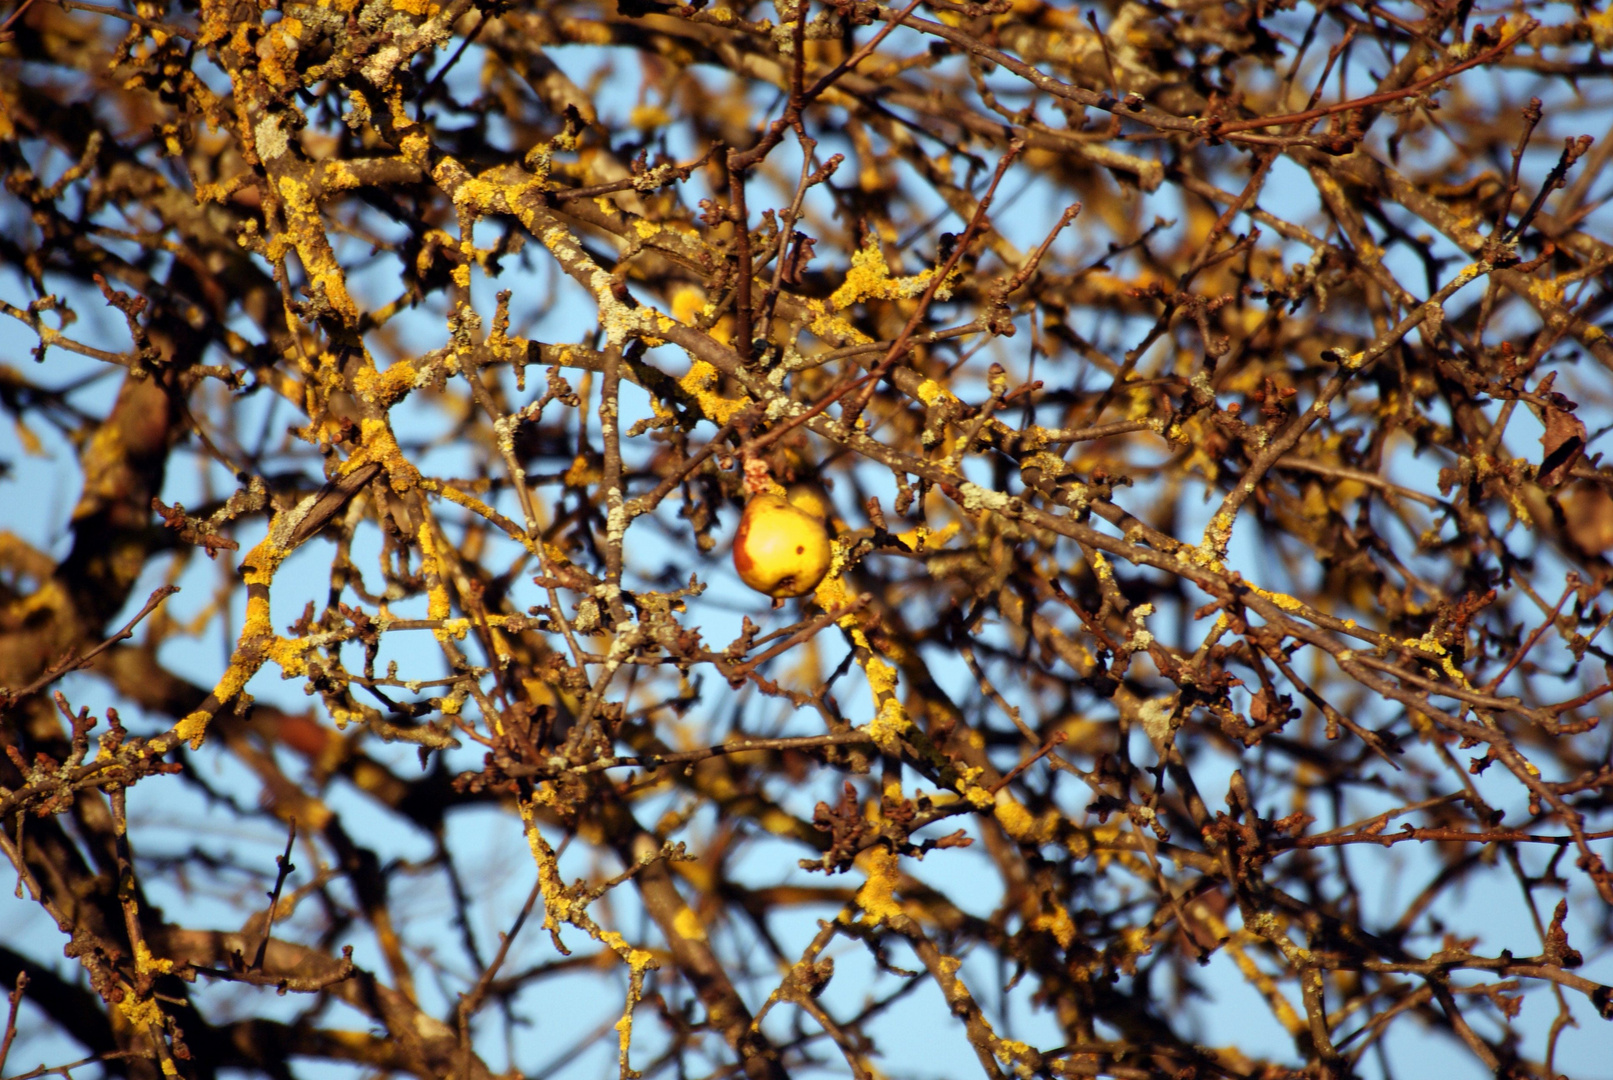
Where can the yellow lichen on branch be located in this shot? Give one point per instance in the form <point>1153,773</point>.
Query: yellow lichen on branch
<point>560,904</point>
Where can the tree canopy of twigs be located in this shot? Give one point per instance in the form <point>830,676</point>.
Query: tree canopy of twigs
<point>1204,400</point>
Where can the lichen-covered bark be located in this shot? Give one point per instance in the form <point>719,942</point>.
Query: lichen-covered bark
<point>1204,402</point>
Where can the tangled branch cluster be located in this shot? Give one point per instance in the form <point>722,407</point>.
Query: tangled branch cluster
<point>1203,398</point>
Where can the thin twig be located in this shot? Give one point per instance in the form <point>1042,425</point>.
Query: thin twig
<point>284,868</point>
<point>75,663</point>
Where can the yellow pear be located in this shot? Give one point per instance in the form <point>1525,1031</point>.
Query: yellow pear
<point>780,550</point>
<point>809,498</point>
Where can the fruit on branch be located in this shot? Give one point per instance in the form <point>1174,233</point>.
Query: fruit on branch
<point>810,498</point>
<point>781,549</point>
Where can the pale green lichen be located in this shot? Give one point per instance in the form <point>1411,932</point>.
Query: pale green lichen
<point>269,138</point>
<point>975,497</point>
